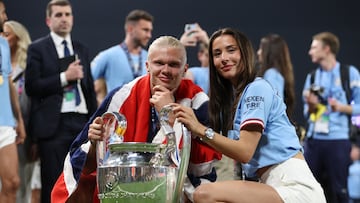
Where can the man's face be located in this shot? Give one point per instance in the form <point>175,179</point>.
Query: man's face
<point>140,32</point>
<point>61,20</point>
<point>318,51</point>
<point>166,66</point>
<point>3,16</point>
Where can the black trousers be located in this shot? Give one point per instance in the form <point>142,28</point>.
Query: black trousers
<point>52,151</point>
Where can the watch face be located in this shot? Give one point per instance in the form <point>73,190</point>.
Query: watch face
<point>209,133</point>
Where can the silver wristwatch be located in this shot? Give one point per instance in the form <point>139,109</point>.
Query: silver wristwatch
<point>209,134</point>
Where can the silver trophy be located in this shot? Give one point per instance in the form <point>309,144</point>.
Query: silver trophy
<point>141,172</point>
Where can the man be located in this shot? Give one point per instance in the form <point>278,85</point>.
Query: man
<point>140,101</point>
<point>60,86</point>
<point>10,108</point>
<point>122,63</point>
<point>328,111</point>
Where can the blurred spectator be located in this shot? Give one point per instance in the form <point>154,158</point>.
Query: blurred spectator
<point>123,62</point>
<point>276,67</point>
<point>328,111</point>
<point>200,75</point>
<point>61,90</point>
<point>10,119</point>
<point>19,40</point>
<point>354,173</point>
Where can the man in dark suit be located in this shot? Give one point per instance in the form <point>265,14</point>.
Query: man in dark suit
<point>60,85</point>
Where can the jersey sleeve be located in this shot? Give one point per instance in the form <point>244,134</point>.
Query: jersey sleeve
<point>355,89</point>
<point>98,65</point>
<point>255,104</point>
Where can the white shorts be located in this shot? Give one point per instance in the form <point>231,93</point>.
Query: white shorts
<point>294,182</point>
<point>7,136</point>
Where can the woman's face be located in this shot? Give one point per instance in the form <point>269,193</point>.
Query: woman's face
<point>227,57</point>
<point>10,36</point>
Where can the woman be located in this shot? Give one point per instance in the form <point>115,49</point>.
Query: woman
<point>19,40</point>
<point>246,107</point>
<point>276,67</point>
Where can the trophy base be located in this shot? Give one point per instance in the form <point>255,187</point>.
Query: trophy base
<point>136,184</point>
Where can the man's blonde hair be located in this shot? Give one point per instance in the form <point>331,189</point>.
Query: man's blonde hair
<point>330,40</point>
<point>168,41</point>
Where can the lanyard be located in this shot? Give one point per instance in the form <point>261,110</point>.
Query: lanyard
<point>136,72</point>
<point>154,125</point>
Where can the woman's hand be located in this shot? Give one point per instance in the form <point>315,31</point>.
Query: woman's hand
<point>20,131</point>
<point>187,116</point>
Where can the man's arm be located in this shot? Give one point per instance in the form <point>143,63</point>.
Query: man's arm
<point>100,90</point>
<point>15,105</point>
<point>41,73</point>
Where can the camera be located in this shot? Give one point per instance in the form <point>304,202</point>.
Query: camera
<point>318,91</point>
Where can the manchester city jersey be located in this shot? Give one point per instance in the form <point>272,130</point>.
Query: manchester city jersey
<point>261,104</point>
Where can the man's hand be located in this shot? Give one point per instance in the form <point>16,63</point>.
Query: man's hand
<point>96,130</point>
<point>161,97</point>
<point>74,71</point>
<point>339,107</point>
<point>312,100</point>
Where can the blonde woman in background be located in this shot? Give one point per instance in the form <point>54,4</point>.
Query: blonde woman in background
<point>19,40</point>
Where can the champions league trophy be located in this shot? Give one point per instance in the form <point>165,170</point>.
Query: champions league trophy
<point>141,172</point>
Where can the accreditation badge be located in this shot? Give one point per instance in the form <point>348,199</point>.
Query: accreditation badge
<point>322,124</point>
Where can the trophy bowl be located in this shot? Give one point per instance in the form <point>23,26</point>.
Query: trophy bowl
<point>133,173</point>
<point>140,172</point>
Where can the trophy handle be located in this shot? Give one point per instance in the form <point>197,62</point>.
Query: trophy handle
<point>184,163</point>
<point>171,150</point>
<point>115,125</point>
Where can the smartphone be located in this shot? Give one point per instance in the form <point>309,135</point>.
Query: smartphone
<point>190,27</point>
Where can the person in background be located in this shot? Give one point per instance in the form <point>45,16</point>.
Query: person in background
<point>354,172</point>
<point>19,39</point>
<point>61,89</point>
<point>200,75</point>
<point>198,37</point>
<point>327,146</point>
<point>123,62</point>
<point>225,168</point>
<point>276,67</point>
<point>140,101</point>
<point>259,134</point>
<point>12,128</point>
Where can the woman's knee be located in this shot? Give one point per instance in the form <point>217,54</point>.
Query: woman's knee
<point>10,185</point>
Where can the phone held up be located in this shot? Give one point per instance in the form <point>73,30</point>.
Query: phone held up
<point>190,27</point>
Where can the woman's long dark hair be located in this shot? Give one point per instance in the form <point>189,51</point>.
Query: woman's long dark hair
<point>275,54</point>
<point>223,95</point>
